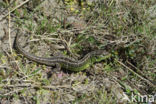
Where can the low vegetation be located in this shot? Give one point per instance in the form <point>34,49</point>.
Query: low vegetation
<point>126,29</point>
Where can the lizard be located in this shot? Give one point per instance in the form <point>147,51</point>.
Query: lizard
<point>65,62</point>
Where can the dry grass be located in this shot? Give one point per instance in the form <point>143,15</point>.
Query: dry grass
<point>126,29</point>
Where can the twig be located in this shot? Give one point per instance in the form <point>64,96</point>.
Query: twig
<point>151,84</point>
<point>18,6</point>
<point>4,66</point>
<point>111,3</point>
<point>67,45</point>
<point>34,86</point>
<point>12,92</point>
<point>8,6</point>
<point>9,30</point>
<point>12,58</point>
<point>22,86</point>
<point>134,67</point>
<point>35,40</point>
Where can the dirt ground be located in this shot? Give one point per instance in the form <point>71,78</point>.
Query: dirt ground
<point>124,28</point>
